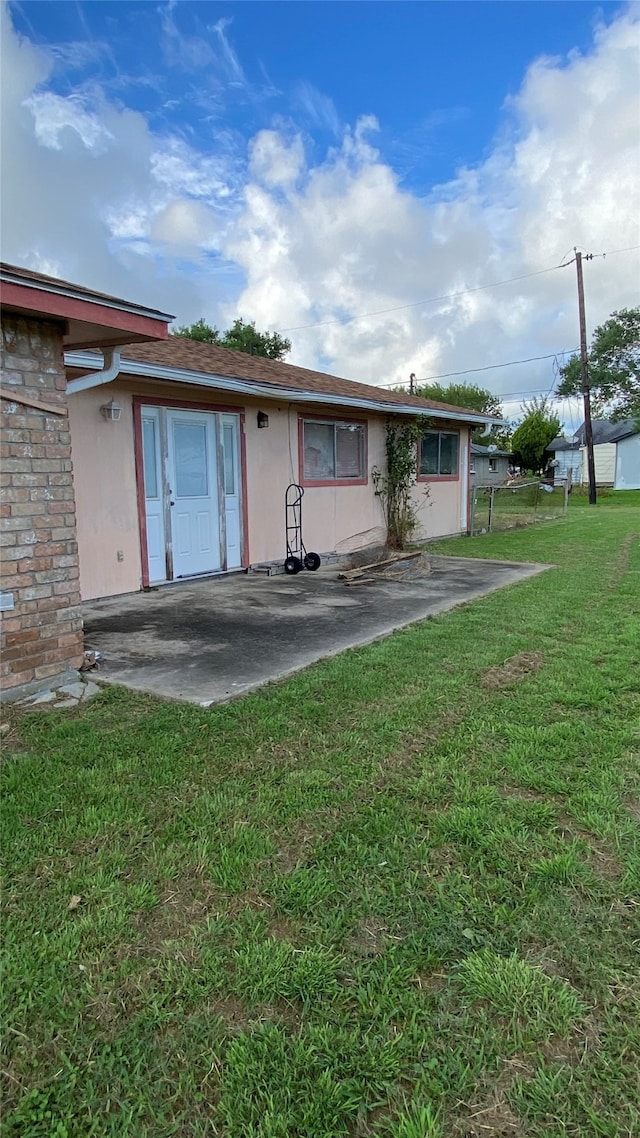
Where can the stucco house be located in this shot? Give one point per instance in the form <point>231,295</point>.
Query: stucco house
<point>182,462</point>
<point>164,458</point>
<point>489,466</point>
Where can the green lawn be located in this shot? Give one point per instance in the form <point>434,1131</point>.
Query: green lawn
<point>397,895</point>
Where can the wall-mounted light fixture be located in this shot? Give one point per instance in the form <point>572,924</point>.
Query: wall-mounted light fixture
<point>111,411</point>
<point>263,419</point>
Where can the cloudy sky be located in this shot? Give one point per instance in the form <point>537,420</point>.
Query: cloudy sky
<point>353,174</point>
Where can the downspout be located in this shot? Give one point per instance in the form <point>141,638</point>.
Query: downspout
<point>110,371</point>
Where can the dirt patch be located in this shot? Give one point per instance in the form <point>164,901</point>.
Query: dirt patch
<point>280,928</point>
<point>185,903</point>
<point>492,1118</point>
<point>632,806</point>
<point>515,669</point>
<point>369,938</point>
<point>621,564</point>
<point>523,793</point>
<point>600,858</point>
<point>298,847</point>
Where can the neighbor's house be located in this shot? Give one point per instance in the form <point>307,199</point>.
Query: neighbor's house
<point>41,628</point>
<point>627,469</point>
<point>615,454</point>
<point>182,462</point>
<point>489,467</point>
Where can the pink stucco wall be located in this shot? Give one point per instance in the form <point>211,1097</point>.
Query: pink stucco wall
<point>334,517</point>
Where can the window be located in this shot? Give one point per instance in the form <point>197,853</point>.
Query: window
<point>333,451</point>
<point>439,454</point>
<point>493,466</point>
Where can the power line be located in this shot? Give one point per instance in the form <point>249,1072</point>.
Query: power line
<point>488,367</point>
<point>419,303</point>
<point>448,296</point>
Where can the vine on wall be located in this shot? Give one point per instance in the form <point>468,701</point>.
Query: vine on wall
<point>394,487</point>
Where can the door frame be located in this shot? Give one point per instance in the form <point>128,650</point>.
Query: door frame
<point>140,401</point>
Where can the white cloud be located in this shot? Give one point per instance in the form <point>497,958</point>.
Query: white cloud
<point>94,192</point>
<point>53,115</point>
<point>274,161</point>
<point>563,171</point>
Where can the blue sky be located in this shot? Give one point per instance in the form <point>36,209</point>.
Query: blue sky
<point>304,163</point>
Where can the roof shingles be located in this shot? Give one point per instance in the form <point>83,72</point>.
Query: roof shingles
<point>191,355</point>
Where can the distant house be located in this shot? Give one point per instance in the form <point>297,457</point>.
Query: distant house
<point>571,454</point>
<point>566,458</point>
<point>627,467</point>
<point>488,467</point>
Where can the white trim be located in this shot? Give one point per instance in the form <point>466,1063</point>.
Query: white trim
<point>268,390</point>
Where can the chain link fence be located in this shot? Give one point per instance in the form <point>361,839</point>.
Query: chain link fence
<point>495,508</point>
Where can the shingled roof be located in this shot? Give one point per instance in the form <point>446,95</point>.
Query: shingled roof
<point>191,355</point>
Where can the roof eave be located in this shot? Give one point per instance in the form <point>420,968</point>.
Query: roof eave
<point>86,295</point>
<point>272,391</point>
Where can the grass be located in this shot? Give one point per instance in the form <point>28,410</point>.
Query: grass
<point>397,895</point>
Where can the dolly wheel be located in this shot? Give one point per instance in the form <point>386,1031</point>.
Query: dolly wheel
<point>312,562</point>
<point>292,565</point>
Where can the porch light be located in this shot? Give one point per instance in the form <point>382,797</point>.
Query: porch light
<point>263,419</point>
<point>111,411</point>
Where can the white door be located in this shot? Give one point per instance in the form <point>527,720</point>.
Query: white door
<point>230,431</point>
<point>193,491</point>
<point>154,497</point>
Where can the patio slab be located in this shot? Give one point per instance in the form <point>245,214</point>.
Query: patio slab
<point>210,640</point>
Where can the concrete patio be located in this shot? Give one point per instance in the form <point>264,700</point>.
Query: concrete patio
<point>209,640</point>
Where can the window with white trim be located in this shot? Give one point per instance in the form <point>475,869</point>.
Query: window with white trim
<point>333,451</point>
<point>439,453</point>
<point>493,466</point>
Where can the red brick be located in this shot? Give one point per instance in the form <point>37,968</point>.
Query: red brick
<point>56,452</point>
<point>35,565</point>
<point>13,638</point>
<point>69,638</point>
<point>13,679</point>
<point>74,661</point>
<point>61,588</point>
<point>46,604</point>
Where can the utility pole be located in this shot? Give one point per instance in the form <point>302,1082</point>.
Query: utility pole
<point>586,396</point>
<point>412,384</point>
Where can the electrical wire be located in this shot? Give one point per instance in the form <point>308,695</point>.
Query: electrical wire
<point>419,303</point>
<point>447,296</point>
<point>488,367</point>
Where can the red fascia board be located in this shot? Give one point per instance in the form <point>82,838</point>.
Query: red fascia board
<point>51,304</point>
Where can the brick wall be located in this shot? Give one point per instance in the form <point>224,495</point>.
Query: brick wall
<point>42,637</point>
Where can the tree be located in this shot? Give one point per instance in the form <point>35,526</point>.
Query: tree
<point>614,367</point>
<point>241,337</point>
<point>534,433</point>
<point>473,398</point>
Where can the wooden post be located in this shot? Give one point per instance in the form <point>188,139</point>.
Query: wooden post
<point>586,398</point>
